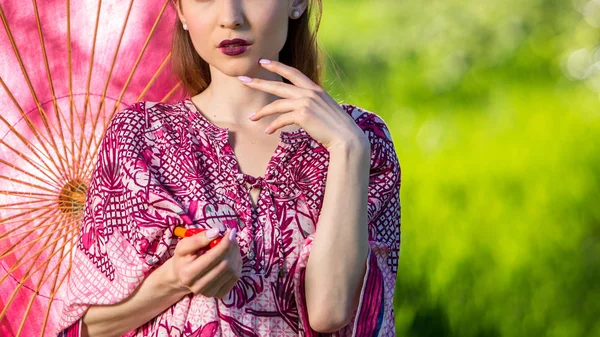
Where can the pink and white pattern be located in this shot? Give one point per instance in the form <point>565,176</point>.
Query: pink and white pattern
<point>163,165</point>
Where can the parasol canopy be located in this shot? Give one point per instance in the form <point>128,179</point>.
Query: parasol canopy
<point>65,69</point>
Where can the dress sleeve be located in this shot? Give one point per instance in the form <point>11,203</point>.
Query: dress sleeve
<point>375,313</point>
<point>126,226</point>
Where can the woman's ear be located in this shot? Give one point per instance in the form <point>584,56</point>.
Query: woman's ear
<point>298,5</point>
<point>177,4</point>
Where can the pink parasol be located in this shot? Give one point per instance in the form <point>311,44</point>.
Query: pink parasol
<point>65,69</point>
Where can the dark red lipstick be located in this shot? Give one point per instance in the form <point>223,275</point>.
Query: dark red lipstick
<point>233,47</point>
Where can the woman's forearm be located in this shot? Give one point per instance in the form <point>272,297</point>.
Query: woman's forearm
<point>337,261</point>
<point>153,296</point>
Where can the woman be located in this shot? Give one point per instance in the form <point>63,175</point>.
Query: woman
<point>304,195</point>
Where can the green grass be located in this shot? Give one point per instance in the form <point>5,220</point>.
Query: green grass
<point>500,165</point>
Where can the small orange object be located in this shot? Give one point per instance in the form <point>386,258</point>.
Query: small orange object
<point>184,233</point>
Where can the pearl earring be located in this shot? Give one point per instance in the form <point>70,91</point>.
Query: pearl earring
<point>295,14</point>
<point>185,26</point>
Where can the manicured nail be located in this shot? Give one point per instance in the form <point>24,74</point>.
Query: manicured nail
<point>251,115</point>
<point>267,129</point>
<point>245,79</point>
<point>264,61</point>
<point>232,234</point>
<point>212,233</point>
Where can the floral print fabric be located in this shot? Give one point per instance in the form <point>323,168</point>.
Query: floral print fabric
<point>165,165</point>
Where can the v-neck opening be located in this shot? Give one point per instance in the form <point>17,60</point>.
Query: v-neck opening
<point>286,139</point>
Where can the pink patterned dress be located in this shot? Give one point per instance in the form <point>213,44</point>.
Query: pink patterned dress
<point>165,165</point>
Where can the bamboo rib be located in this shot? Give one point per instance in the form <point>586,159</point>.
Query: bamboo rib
<point>12,249</point>
<point>5,220</point>
<point>53,292</point>
<point>12,234</point>
<point>22,281</point>
<point>16,216</point>
<point>51,85</point>
<point>105,90</point>
<point>154,77</point>
<point>34,294</point>
<point>39,252</point>
<point>139,58</point>
<point>32,91</point>
<point>136,64</point>
<point>55,286</point>
<point>69,61</point>
<point>27,143</point>
<point>170,93</point>
<point>89,81</point>
<point>29,174</point>
<point>17,204</point>
<point>14,180</point>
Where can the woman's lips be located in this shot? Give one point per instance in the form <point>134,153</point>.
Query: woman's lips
<point>233,50</point>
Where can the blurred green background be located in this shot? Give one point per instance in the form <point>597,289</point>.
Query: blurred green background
<point>493,107</point>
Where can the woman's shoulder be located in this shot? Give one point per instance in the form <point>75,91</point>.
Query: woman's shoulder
<point>370,122</point>
<point>141,115</point>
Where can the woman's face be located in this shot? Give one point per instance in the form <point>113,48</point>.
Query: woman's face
<point>263,23</point>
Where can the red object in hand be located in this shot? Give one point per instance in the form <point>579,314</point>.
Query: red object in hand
<point>193,231</point>
<point>215,242</point>
<point>183,232</point>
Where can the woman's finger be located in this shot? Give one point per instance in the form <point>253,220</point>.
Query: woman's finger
<point>212,257</point>
<point>279,106</point>
<point>210,283</point>
<point>190,245</point>
<point>226,288</point>
<point>276,88</point>
<point>281,121</point>
<point>292,74</point>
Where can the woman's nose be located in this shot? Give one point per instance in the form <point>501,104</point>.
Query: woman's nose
<point>231,14</point>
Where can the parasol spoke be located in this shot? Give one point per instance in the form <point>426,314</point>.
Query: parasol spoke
<point>12,234</point>
<point>34,150</point>
<point>19,263</point>
<point>51,85</point>
<point>56,286</point>
<point>28,273</point>
<point>43,219</point>
<point>69,238</point>
<point>89,79</point>
<point>170,93</point>
<point>154,77</point>
<point>26,194</point>
<point>134,68</point>
<point>37,291</point>
<point>110,72</point>
<point>139,58</point>
<point>43,115</point>
<point>6,220</point>
<point>30,174</point>
<point>16,204</point>
<point>18,181</point>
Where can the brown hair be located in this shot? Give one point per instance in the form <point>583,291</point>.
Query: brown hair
<point>300,51</point>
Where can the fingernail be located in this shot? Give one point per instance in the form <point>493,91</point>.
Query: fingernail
<point>212,233</point>
<point>264,61</point>
<point>232,234</point>
<point>267,129</point>
<point>245,79</point>
<point>251,115</point>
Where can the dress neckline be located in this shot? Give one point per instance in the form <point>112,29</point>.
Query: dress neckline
<point>288,137</point>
